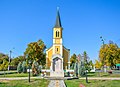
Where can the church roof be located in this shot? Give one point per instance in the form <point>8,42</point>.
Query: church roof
<point>66,48</point>
<point>58,21</point>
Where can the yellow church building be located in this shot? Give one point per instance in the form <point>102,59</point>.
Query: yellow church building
<point>57,56</point>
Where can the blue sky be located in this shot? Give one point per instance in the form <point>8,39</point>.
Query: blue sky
<point>84,21</point>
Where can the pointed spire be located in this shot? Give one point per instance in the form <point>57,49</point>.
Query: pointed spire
<point>58,21</point>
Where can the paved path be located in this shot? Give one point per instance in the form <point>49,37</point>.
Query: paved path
<point>96,78</point>
<point>57,83</point>
<point>23,78</point>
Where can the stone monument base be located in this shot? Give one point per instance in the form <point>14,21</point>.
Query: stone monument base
<point>57,74</point>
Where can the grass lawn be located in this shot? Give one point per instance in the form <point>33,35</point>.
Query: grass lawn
<point>93,83</point>
<point>69,83</point>
<point>25,83</point>
<point>101,74</point>
<point>15,75</point>
<point>90,74</point>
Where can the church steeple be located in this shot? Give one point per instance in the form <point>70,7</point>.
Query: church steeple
<point>57,57</point>
<point>58,21</point>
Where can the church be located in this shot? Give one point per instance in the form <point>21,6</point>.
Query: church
<point>57,56</point>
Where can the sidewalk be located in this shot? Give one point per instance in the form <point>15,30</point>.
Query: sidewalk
<point>90,78</point>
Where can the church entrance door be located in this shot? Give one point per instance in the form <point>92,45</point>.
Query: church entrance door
<point>57,64</point>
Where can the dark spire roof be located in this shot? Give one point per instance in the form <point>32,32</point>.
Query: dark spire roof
<point>58,21</point>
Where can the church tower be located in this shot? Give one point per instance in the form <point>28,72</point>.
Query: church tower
<point>57,56</point>
<point>57,36</point>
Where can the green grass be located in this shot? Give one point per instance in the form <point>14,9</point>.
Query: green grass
<point>15,75</point>
<point>90,74</point>
<point>69,83</point>
<point>101,74</point>
<point>93,83</point>
<point>8,72</point>
<point>25,83</point>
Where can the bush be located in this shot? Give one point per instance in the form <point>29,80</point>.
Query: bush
<point>19,67</point>
<point>35,68</point>
<point>82,71</point>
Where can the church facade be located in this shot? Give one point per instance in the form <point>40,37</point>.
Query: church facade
<point>57,56</point>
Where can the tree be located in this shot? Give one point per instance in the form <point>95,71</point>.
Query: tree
<point>91,65</point>
<point>109,54</point>
<point>4,65</point>
<point>86,64</point>
<point>3,61</point>
<point>82,64</point>
<point>73,59</point>
<point>117,58</point>
<point>3,57</point>
<point>16,60</point>
<point>35,51</point>
<point>98,64</point>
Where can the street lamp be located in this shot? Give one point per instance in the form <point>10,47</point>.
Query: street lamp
<point>104,53</point>
<point>102,40</point>
<point>29,70</point>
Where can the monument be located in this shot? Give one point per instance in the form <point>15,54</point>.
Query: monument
<point>57,56</point>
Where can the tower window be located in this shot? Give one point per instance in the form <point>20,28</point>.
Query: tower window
<point>57,33</point>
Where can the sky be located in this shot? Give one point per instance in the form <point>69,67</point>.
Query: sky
<point>83,22</point>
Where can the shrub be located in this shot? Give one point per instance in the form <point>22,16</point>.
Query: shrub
<point>24,67</point>
<point>19,67</point>
<point>35,68</point>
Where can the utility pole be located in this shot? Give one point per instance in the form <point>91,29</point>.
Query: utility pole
<point>9,60</point>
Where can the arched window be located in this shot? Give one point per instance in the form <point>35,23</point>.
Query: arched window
<point>57,33</point>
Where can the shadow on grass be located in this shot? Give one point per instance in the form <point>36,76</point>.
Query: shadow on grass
<point>105,75</point>
<point>2,83</point>
<point>89,82</point>
<point>90,75</point>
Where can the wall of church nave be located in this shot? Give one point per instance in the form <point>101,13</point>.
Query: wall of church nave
<point>48,63</point>
<point>65,58</point>
<point>50,52</point>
